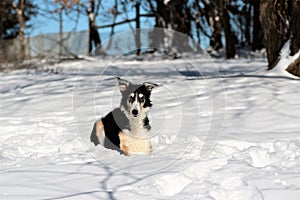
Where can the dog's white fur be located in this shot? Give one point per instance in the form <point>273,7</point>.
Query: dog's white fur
<point>137,140</point>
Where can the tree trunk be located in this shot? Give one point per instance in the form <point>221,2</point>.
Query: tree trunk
<point>181,15</point>
<point>213,18</point>
<point>20,8</point>
<point>216,29</point>
<point>61,41</point>
<point>180,21</point>
<point>173,15</point>
<point>295,26</point>
<point>94,37</point>
<point>198,27</point>
<point>294,68</point>
<point>162,17</point>
<point>274,18</point>
<point>137,36</point>
<point>229,37</point>
<point>247,9</point>
<point>280,22</point>
<point>21,19</point>
<point>1,20</point>
<point>257,33</point>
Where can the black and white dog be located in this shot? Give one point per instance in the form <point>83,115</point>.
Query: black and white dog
<point>126,129</point>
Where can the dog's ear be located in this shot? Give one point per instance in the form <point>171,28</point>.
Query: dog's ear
<point>123,84</point>
<point>150,86</point>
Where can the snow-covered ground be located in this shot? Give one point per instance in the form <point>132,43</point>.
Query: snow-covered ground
<point>220,130</point>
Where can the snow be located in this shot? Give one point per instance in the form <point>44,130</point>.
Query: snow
<point>285,61</point>
<point>221,129</point>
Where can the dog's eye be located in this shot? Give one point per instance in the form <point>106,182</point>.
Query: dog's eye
<point>131,99</point>
<point>141,99</point>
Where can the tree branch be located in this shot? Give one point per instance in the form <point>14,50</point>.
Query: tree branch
<point>80,3</point>
<point>124,21</point>
<point>97,8</point>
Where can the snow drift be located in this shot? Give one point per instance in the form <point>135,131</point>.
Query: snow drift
<point>226,131</point>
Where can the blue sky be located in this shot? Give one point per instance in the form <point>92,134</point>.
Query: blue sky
<point>44,24</point>
<point>47,24</point>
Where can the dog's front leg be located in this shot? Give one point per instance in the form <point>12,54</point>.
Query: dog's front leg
<point>124,146</point>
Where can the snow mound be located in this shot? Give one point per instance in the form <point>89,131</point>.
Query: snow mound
<point>216,176</point>
<point>285,61</point>
<point>37,139</point>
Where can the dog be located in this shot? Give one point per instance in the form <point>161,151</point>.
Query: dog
<point>126,129</point>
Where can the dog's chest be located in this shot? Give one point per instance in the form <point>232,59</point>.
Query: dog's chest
<point>135,140</point>
<point>137,129</point>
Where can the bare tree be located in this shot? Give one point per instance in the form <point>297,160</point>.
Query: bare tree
<point>114,11</point>
<point>281,22</point>
<point>295,25</point>
<point>229,37</point>
<point>61,7</point>
<point>257,33</point>
<point>273,17</point>
<point>1,20</point>
<point>212,15</point>
<point>57,10</point>
<point>92,10</point>
<point>175,15</point>
<point>20,8</point>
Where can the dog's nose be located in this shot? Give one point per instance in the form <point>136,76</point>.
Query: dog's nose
<point>134,112</point>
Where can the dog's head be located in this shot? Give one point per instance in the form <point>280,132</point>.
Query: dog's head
<point>136,98</point>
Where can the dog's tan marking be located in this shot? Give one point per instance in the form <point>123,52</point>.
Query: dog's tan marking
<point>134,145</point>
<point>100,132</point>
<point>123,143</point>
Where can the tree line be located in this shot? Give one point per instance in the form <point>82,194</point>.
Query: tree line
<point>226,24</point>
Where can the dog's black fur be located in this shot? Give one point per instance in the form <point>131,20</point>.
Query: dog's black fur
<point>113,123</point>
